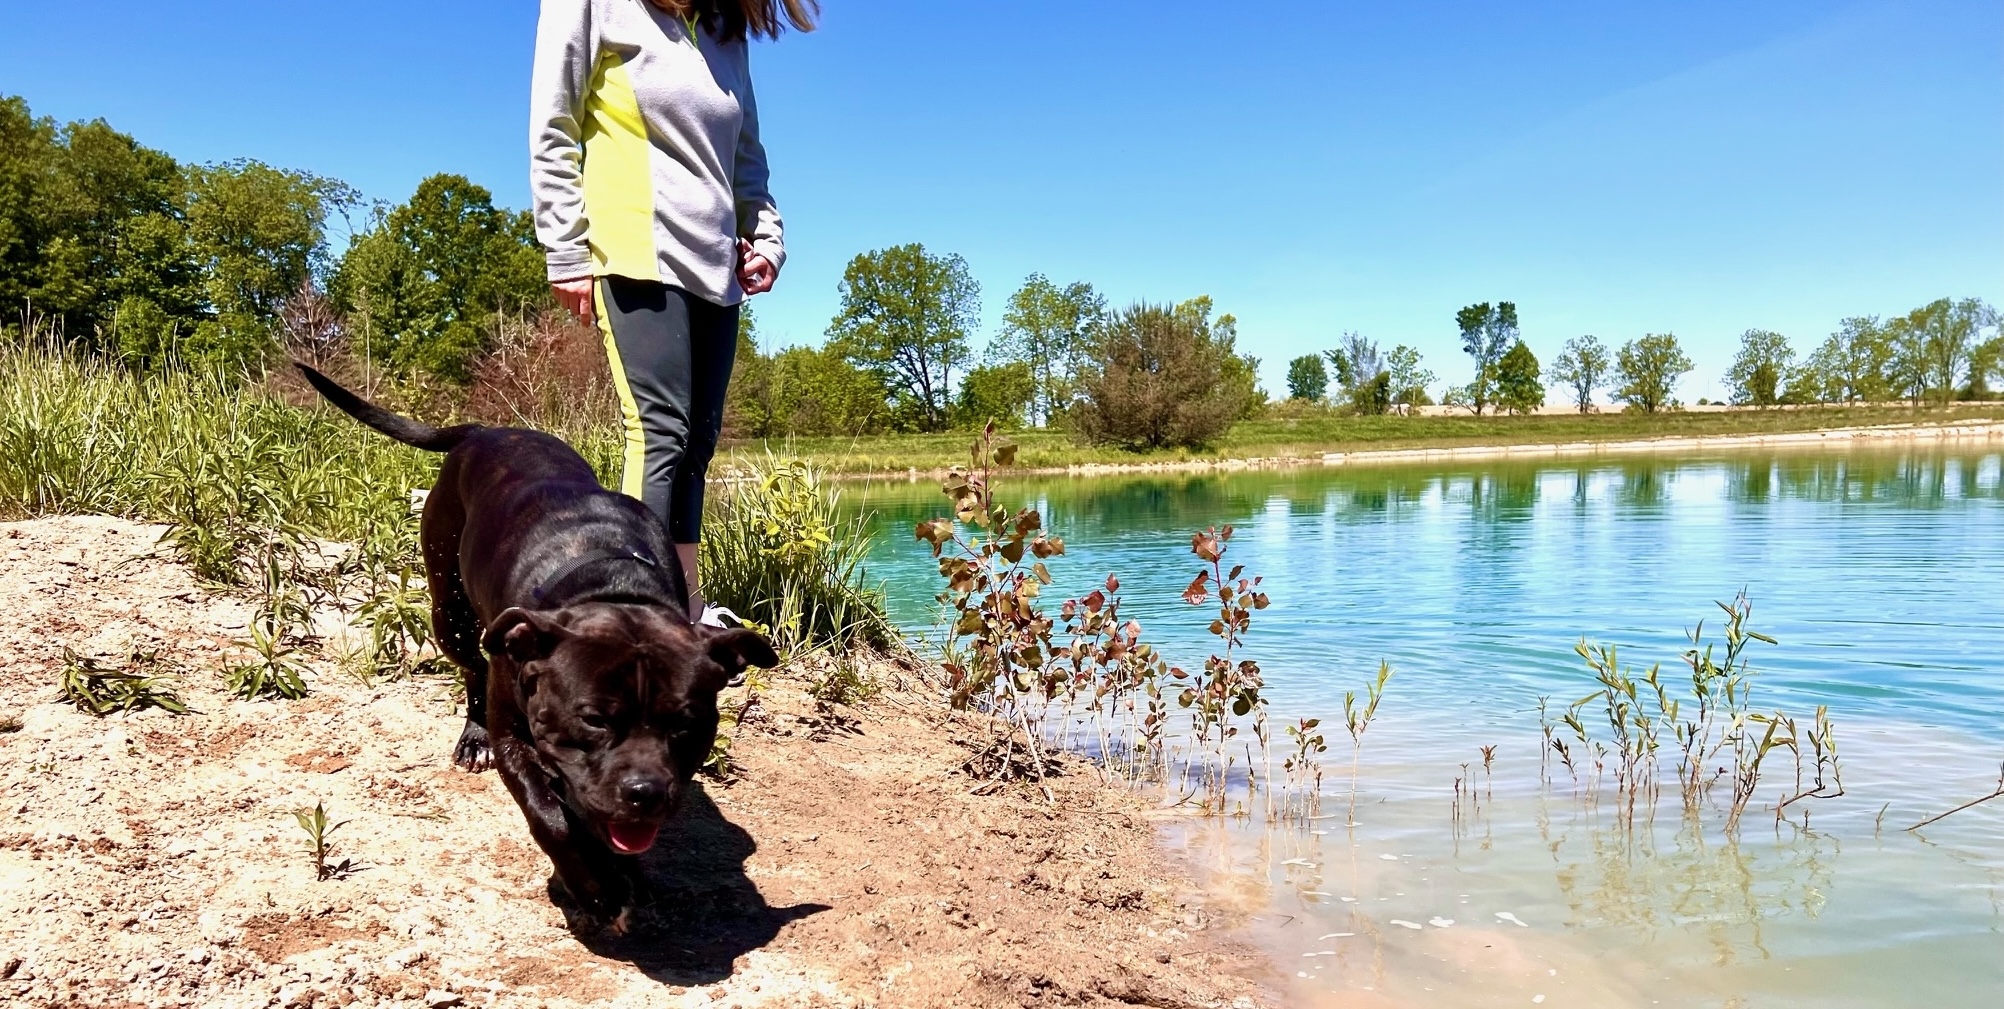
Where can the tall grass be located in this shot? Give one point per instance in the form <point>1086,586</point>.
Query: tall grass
<point>249,482</point>
<point>205,449</point>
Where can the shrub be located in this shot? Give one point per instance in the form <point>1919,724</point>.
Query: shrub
<point>1165,377</point>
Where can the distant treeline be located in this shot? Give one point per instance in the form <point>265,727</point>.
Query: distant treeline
<point>122,251</point>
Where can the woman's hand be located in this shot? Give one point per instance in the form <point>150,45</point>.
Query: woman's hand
<point>576,296</point>
<point>756,273</point>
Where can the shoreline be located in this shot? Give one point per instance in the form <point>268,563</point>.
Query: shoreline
<point>846,861</point>
<point>1824,438</point>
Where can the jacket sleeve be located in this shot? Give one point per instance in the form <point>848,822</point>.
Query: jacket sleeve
<point>758,218</point>
<point>559,79</point>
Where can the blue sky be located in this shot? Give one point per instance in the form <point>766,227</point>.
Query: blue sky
<point>1699,167</point>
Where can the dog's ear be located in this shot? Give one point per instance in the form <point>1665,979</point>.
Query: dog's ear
<point>738,648</point>
<point>522,635</point>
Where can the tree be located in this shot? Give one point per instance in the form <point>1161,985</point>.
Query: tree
<point>1648,370</point>
<point>1582,365</point>
<point>1947,334</point>
<point>427,279</point>
<point>905,317</point>
<point>1851,364</point>
<point>998,392</point>
<point>1361,372</point>
<point>1486,333</point>
<point>258,233</point>
<point>1765,360</point>
<point>800,391</point>
<point>1164,376</point>
<point>1307,379</point>
<point>1048,329</point>
<point>1986,360</point>
<point>1908,367</point>
<point>1518,387</point>
<point>1406,378</point>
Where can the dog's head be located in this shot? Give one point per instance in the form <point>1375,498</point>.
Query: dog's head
<point>621,702</point>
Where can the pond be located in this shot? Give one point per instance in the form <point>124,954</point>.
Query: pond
<point>1879,573</point>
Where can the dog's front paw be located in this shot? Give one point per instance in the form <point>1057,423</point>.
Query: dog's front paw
<point>473,753</point>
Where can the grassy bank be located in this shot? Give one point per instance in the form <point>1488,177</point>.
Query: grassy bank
<point>1310,436</point>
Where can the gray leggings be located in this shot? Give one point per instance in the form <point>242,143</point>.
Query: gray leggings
<point>671,354</point>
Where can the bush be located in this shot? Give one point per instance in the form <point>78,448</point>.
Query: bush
<point>1165,377</point>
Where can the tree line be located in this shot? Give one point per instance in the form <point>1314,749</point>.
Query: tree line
<point>124,251</point>
<point>1946,350</point>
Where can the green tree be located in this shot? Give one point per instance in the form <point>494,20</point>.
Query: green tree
<point>1851,364</point>
<point>424,283</point>
<point>258,233</point>
<point>1307,379</point>
<point>1519,388</point>
<point>905,317</point>
<point>1582,365</point>
<point>92,231</point>
<point>1361,372</point>
<point>1948,333</point>
<point>998,392</point>
<point>1407,378</point>
<point>1048,329</point>
<point>1648,370</point>
<point>1764,362</point>
<point>1166,376</point>
<point>1908,366</point>
<point>1486,333</point>
<point>1986,361</point>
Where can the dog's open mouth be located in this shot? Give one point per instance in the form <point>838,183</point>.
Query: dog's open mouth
<point>631,837</point>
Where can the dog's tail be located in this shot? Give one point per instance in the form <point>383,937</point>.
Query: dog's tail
<point>403,429</point>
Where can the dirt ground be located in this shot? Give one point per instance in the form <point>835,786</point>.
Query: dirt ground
<point>153,860</point>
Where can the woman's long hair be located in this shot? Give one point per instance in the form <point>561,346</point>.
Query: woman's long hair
<point>733,20</point>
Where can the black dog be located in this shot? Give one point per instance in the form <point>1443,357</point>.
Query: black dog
<point>602,699</point>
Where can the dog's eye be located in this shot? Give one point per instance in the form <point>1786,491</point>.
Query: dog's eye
<point>594,720</point>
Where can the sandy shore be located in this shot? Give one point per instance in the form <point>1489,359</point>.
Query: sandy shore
<point>153,860</point>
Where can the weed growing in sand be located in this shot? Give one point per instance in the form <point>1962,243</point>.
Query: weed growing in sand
<point>274,670</point>
<point>101,689</point>
<point>320,843</point>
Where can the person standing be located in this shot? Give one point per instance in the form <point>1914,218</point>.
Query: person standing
<point>652,207</point>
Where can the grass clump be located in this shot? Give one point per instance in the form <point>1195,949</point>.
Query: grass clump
<point>101,689</point>
<point>777,553</point>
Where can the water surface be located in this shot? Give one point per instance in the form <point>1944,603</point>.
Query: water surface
<point>1881,573</point>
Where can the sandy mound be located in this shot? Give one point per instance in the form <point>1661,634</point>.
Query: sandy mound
<point>153,860</point>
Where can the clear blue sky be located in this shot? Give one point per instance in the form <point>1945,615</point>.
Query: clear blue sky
<point>1700,167</point>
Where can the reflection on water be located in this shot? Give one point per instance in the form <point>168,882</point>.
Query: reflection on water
<point>1882,574</point>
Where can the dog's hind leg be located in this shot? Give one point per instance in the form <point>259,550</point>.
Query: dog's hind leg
<point>457,629</point>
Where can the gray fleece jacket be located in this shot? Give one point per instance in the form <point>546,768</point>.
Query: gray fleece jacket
<point>644,155</point>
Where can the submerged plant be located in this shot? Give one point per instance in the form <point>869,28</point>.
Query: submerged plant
<point>1229,686</point>
<point>1358,721</point>
<point>1997,794</point>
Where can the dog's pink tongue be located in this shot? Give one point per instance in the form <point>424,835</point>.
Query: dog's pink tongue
<point>633,838</point>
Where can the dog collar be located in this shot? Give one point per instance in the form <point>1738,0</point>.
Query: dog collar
<point>548,589</point>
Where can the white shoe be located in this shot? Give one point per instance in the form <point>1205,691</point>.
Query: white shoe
<point>719,616</point>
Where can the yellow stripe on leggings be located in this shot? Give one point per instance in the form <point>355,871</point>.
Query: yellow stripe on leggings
<point>634,459</point>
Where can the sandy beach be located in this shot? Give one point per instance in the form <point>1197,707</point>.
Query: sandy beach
<point>153,860</point>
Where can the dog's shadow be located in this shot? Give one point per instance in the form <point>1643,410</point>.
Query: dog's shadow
<point>706,912</point>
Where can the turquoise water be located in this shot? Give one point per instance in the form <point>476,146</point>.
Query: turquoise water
<point>1880,573</point>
